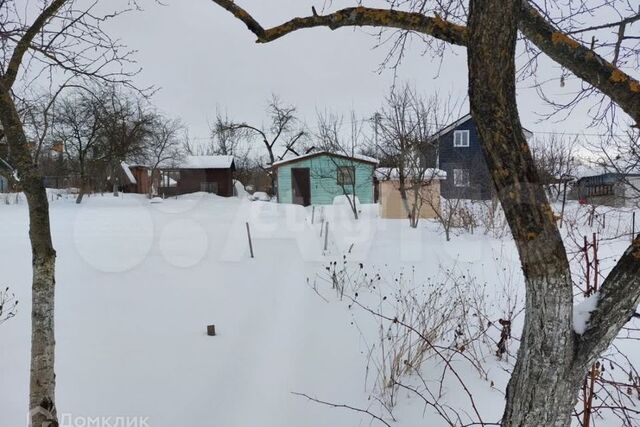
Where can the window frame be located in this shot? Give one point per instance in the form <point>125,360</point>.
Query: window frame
<point>465,135</point>
<point>340,176</point>
<point>456,178</point>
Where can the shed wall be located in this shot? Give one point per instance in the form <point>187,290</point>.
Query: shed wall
<point>323,177</point>
<point>392,206</point>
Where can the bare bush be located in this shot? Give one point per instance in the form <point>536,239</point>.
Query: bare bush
<point>443,322</point>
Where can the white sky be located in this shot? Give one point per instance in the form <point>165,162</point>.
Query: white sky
<point>203,58</point>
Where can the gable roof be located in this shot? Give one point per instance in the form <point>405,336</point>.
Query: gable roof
<point>206,162</point>
<point>464,119</point>
<point>198,162</point>
<point>356,157</point>
<point>127,173</point>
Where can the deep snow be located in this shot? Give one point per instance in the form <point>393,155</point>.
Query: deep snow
<point>137,283</point>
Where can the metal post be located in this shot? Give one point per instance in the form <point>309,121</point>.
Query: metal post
<point>326,235</point>
<point>249,237</point>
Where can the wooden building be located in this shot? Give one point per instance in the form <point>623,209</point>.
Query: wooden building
<point>457,150</point>
<point>609,189</point>
<point>135,178</point>
<point>391,205</point>
<point>317,178</point>
<point>209,174</point>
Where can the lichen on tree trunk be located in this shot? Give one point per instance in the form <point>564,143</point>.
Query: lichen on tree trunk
<point>542,390</point>
<point>42,381</point>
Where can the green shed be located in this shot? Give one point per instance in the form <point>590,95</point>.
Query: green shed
<point>317,178</point>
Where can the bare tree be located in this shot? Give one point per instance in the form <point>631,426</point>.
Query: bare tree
<point>347,145</point>
<point>63,37</point>
<point>126,123</point>
<point>229,141</point>
<point>164,146</point>
<point>552,356</point>
<point>283,133</point>
<point>405,134</point>
<point>77,128</point>
<point>556,159</point>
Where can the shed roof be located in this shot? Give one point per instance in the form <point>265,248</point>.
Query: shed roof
<point>128,173</point>
<point>610,175</point>
<point>206,162</point>
<point>355,157</point>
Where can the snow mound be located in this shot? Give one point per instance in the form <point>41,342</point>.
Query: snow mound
<point>260,196</point>
<point>239,190</point>
<point>582,313</point>
<point>346,200</point>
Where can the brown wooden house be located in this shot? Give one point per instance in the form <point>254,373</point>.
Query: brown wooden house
<point>209,174</point>
<point>134,178</point>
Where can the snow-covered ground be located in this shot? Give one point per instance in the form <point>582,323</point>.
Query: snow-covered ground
<point>138,282</point>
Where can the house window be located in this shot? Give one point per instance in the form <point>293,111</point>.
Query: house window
<point>600,190</point>
<point>169,179</point>
<point>461,178</point>
<point>346,175</point>
<point>461,138</point>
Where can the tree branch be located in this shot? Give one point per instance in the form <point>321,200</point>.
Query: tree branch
<point>354,17</point>
<point>617,302</point>
<point>343,406</point>
<point>623,89</point>
<point>25,42</point>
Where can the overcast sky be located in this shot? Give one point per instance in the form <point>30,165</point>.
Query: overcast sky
<point>202,59</point>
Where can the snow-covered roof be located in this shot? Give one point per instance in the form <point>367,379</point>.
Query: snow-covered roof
<point>385,174</point>
<point>206,162</point>
<point>128,173</point>
<point>357,157</point>
<point>584,169</point>
<point>527,133</point>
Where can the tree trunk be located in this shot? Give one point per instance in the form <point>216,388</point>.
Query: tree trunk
<point>42,382</point>
<point>81,190</point>
<point>544,384</point>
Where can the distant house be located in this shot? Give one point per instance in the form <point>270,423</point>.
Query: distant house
<point>458,152</point>
<point>610,189</point>
<point>209,174</point>
<point>317,178</point>
<point>135,178</point>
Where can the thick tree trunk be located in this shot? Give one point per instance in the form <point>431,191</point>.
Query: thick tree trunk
<point>543,387</point>
<point>42,382</point>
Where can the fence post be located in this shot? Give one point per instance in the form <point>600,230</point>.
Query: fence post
<point>313,213</point>
<point>326,235</point>
<point>249,237</point>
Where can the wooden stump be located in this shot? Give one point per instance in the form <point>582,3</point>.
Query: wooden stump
<point>211,330</point>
